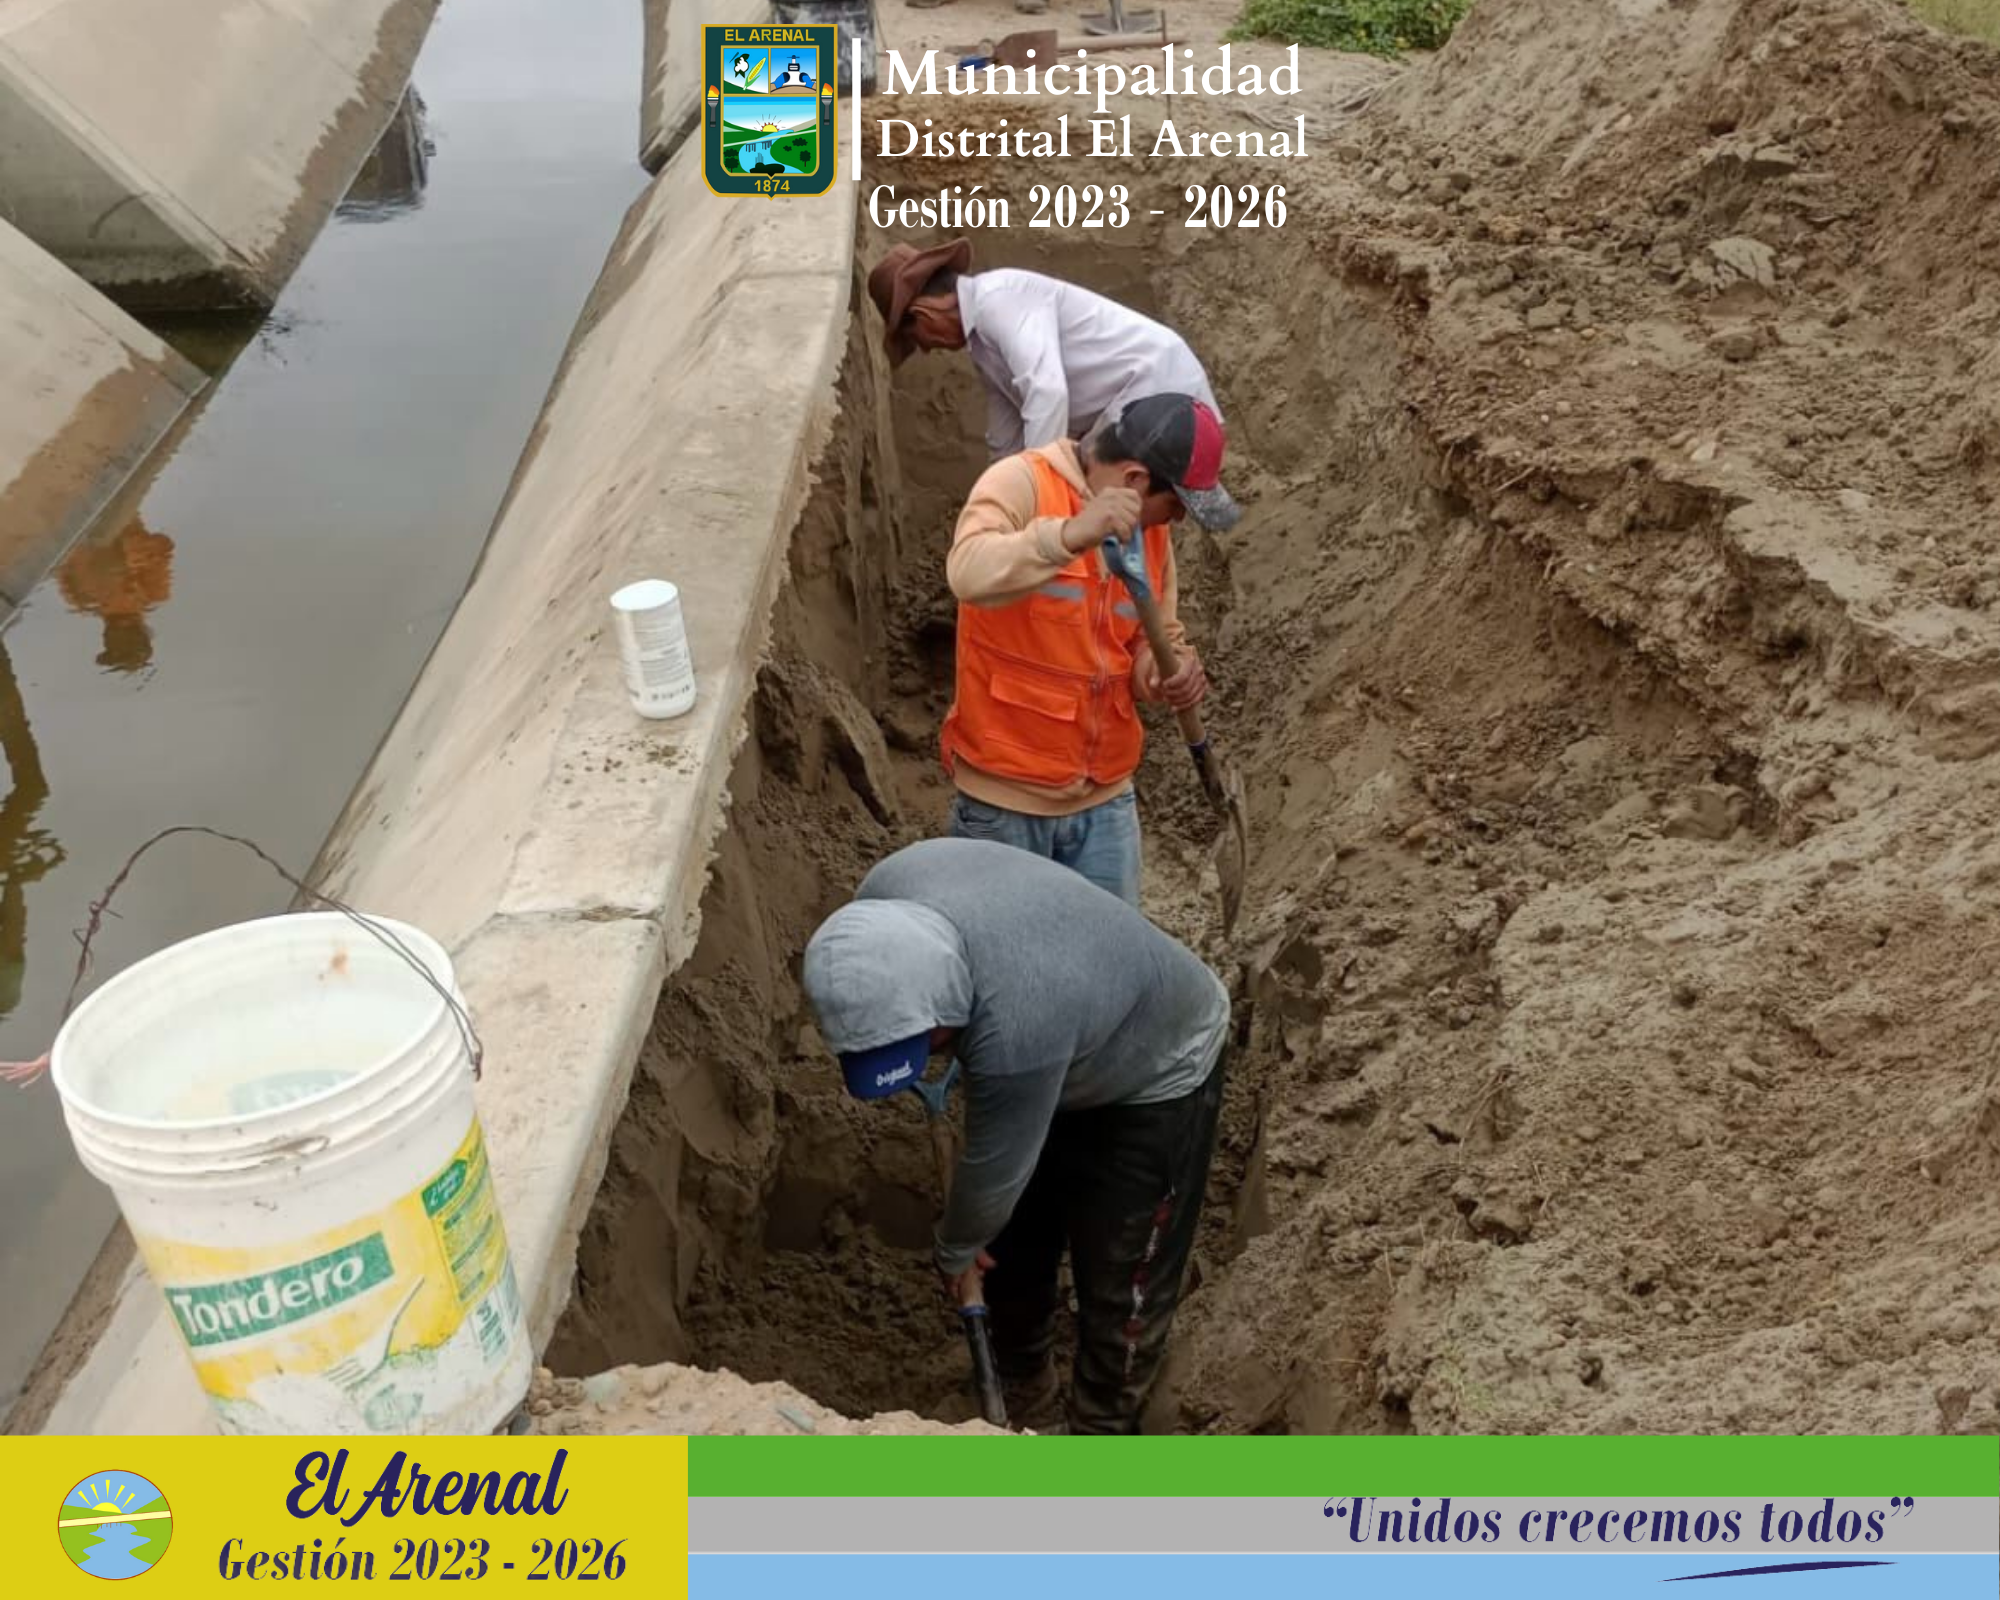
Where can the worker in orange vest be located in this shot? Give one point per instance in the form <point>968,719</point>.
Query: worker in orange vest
<point>1043,735</point>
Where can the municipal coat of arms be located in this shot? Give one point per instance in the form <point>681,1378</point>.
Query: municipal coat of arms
<point>768,102</point>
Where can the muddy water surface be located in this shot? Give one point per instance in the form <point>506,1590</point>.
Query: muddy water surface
<point>229,647</point>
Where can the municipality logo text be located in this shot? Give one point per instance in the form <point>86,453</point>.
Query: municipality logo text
<point>222,1313</point>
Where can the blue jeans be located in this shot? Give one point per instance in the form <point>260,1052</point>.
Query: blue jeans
<point>1102,842</point>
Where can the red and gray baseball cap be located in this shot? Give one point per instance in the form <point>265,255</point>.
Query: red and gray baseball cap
<point>1177,438</point>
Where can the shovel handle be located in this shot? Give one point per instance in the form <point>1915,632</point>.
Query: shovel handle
<point>1168,660</point>
<point>985,1370</point>
<point>972,1308</point>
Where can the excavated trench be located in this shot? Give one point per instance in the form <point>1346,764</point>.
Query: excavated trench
<point>1396,680</point>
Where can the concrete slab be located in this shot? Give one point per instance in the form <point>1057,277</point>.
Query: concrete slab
<point>672,107</point>
<point>89,394</point>
<point>186,152</point>
<point>519,810</point>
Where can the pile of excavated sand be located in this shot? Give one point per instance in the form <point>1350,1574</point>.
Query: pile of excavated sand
<point>1620,644</point>
<point>667,1399</point>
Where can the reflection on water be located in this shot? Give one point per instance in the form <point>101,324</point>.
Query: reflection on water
<point>26,851</point>
<point>390,184</point>
<point>393,179</point>
<point>118,580</point>
<point>326,502</point>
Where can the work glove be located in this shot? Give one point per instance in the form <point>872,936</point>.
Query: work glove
<point>1126,559</point>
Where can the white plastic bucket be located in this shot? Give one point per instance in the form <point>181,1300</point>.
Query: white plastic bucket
<point>284,1110</point>
<point>652,642</point>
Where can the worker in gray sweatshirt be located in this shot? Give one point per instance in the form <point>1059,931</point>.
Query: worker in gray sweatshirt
<point>1091,1045</point>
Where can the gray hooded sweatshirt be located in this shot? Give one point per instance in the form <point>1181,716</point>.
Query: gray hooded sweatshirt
<point>1068,999</point>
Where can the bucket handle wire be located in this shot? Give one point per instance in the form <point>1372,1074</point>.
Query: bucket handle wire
<point>26,1072</point>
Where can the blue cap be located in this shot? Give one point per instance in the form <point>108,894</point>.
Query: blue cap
<point>878,1073</point>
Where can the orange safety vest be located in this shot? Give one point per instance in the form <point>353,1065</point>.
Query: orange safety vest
<point>1045,682</point>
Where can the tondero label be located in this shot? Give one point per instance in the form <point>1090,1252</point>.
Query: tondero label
<point>219,1313</point>
<point>768,125</point>
<point>383,1324</point>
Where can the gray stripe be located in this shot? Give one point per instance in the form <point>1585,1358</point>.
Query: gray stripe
<point>1125,608</point>
<point>1061,591</point>
<point>1292,1526</point>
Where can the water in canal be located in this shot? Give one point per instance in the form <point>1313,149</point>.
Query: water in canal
<point>230,646</point>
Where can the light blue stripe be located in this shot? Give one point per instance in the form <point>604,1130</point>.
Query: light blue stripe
<point>988,1576</point>
<point>1061,591</point>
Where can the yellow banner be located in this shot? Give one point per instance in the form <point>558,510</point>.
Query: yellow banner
<point>180,1516</point>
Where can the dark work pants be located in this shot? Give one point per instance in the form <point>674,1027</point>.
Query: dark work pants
<point>1121,1188</point>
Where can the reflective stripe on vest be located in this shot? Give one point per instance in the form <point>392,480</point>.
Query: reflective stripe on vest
<point>1044,692</point>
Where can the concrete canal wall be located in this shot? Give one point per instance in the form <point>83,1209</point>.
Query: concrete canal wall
<point>89,394</point>
<point>519,810</point>
<point>672,105</point>
<point>186,152</point>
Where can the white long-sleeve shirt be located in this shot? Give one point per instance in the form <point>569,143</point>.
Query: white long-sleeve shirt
<point>1056,357</point>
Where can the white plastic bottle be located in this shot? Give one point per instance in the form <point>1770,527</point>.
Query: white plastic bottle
<point>652,640</point>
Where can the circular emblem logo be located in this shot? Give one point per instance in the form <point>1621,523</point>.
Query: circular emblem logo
<point>115,1525</point>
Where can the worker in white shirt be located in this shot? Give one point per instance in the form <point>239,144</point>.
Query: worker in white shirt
<point>1054,357</point>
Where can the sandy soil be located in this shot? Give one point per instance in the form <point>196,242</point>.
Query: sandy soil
<point>1628,877</point>
<point>671,1399</point>
<point>1611,652</point>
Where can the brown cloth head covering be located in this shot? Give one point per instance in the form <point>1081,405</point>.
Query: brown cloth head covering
<point>899,277</point>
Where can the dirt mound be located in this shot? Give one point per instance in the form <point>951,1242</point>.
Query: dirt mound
<point>671,1399</point>
<point>1631,1056</point>
<point>1737,271</point>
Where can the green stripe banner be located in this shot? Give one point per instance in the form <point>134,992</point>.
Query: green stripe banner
<point>945,1467</point>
